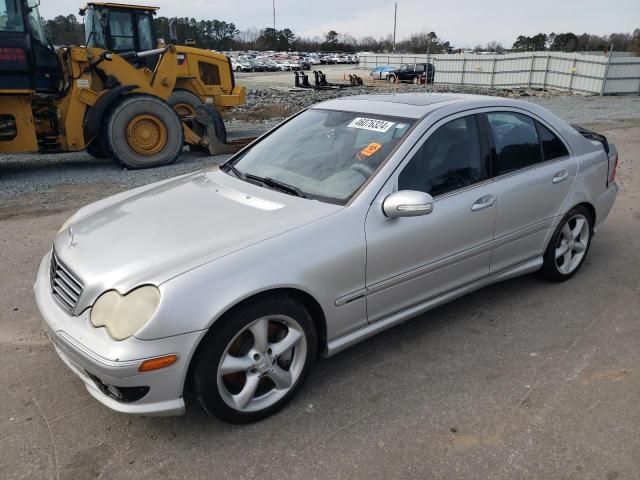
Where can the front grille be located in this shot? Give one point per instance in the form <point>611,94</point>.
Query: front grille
<point>65,286</point>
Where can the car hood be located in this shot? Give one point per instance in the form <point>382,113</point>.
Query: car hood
<point>154,235</point>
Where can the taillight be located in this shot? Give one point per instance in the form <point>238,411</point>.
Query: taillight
<point>612,174</point>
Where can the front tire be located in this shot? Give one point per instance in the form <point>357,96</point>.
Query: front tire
<point>98,148</point>
<point>144,131</point>
<point>568,246</point>
<point>392,78</point>
<point>254,360</point>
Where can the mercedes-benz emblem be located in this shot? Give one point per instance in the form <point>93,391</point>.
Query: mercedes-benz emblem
<point>71,242</point>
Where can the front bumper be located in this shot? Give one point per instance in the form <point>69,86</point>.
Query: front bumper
<point>99,361</point>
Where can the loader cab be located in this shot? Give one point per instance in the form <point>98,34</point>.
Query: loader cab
<point>121,28</point>
<point>28,61</point>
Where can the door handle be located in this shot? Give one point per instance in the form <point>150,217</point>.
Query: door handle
<point>561,176</point>
<point>483,202</point>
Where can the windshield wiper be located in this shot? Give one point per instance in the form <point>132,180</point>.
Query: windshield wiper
<point>229,166</point>
<point>285,187</point>
<point>266,181</point>
<point>269,182</point>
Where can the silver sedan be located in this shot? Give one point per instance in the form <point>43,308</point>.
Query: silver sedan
<point>350,217</point>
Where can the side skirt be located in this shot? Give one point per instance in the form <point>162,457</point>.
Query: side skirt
<point>345,341</point>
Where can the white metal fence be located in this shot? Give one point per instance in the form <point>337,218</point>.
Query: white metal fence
<point>575,72</point>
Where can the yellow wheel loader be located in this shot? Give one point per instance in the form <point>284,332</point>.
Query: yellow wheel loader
<point>118,96</point>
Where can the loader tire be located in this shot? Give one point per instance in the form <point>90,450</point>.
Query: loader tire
<point>184,102</point>
<point>216,118</point>
<point>144,131</point>
<point>98,148</point>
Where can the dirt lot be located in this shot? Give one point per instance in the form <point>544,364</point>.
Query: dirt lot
<point>525,379</point>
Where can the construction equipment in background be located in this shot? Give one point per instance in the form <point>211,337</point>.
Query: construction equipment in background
<point>118,96</point>
<point>320,83</point>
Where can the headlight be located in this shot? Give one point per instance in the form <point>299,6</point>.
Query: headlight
<point>124,315</point>
<point>66,224</point>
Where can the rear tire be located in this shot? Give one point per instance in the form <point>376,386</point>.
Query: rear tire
<point>238,378</point>
<point>184,102</point>
<point>569,245</point>
<point>144,131</point>
<point>392,78</point>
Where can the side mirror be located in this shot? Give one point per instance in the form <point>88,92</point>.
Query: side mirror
<point>407,203</point>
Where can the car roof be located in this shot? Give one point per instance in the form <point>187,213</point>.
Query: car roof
<point>414,105</point>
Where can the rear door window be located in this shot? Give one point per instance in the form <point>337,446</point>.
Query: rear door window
<point>516,141</point>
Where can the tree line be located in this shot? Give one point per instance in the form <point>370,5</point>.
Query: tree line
<point>570,42</point>
<point>222,35</point>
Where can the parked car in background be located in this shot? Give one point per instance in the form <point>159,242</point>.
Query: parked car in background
<point>381,73</point>
<point>256,66</point>
<point>349,218</point>
<point>413,72</point>
<point>277,65</point>
<point>241,65</point>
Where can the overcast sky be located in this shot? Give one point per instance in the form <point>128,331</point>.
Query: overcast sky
<point>464,23</point>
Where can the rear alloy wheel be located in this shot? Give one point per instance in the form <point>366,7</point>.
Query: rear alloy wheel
<point>569,245</point>
<point>416,80</point>
<point>252,363</point>
<point>144,131</point>
<point>392,78</point>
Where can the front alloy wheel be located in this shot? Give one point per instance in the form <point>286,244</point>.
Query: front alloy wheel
<point>261,363</point>
<point>254,359</point>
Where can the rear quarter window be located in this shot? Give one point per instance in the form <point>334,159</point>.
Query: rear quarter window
<point>552,146</point>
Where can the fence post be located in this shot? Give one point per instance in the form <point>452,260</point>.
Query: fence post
<point>546,69</point>
<point>573,71</point>
<point>464,63</point>
<point>530,70</point>
<point>493,70</point>
<point>426,71</point>
<point>606,71</point>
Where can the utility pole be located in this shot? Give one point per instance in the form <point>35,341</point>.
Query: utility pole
<point>274,23</point>
<point>395,17</point>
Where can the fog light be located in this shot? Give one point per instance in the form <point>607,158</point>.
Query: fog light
<point>157,363</point>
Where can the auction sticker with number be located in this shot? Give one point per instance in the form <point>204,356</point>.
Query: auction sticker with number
<point>372,124</point>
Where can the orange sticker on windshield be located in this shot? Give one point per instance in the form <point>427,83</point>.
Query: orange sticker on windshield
<point>370,149</point>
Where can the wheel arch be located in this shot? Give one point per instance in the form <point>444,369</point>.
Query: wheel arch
<point>300,296</point>
<point>97,113</point>
<point>591,209</point>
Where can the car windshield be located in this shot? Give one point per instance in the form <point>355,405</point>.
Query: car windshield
<point>322,154</point>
